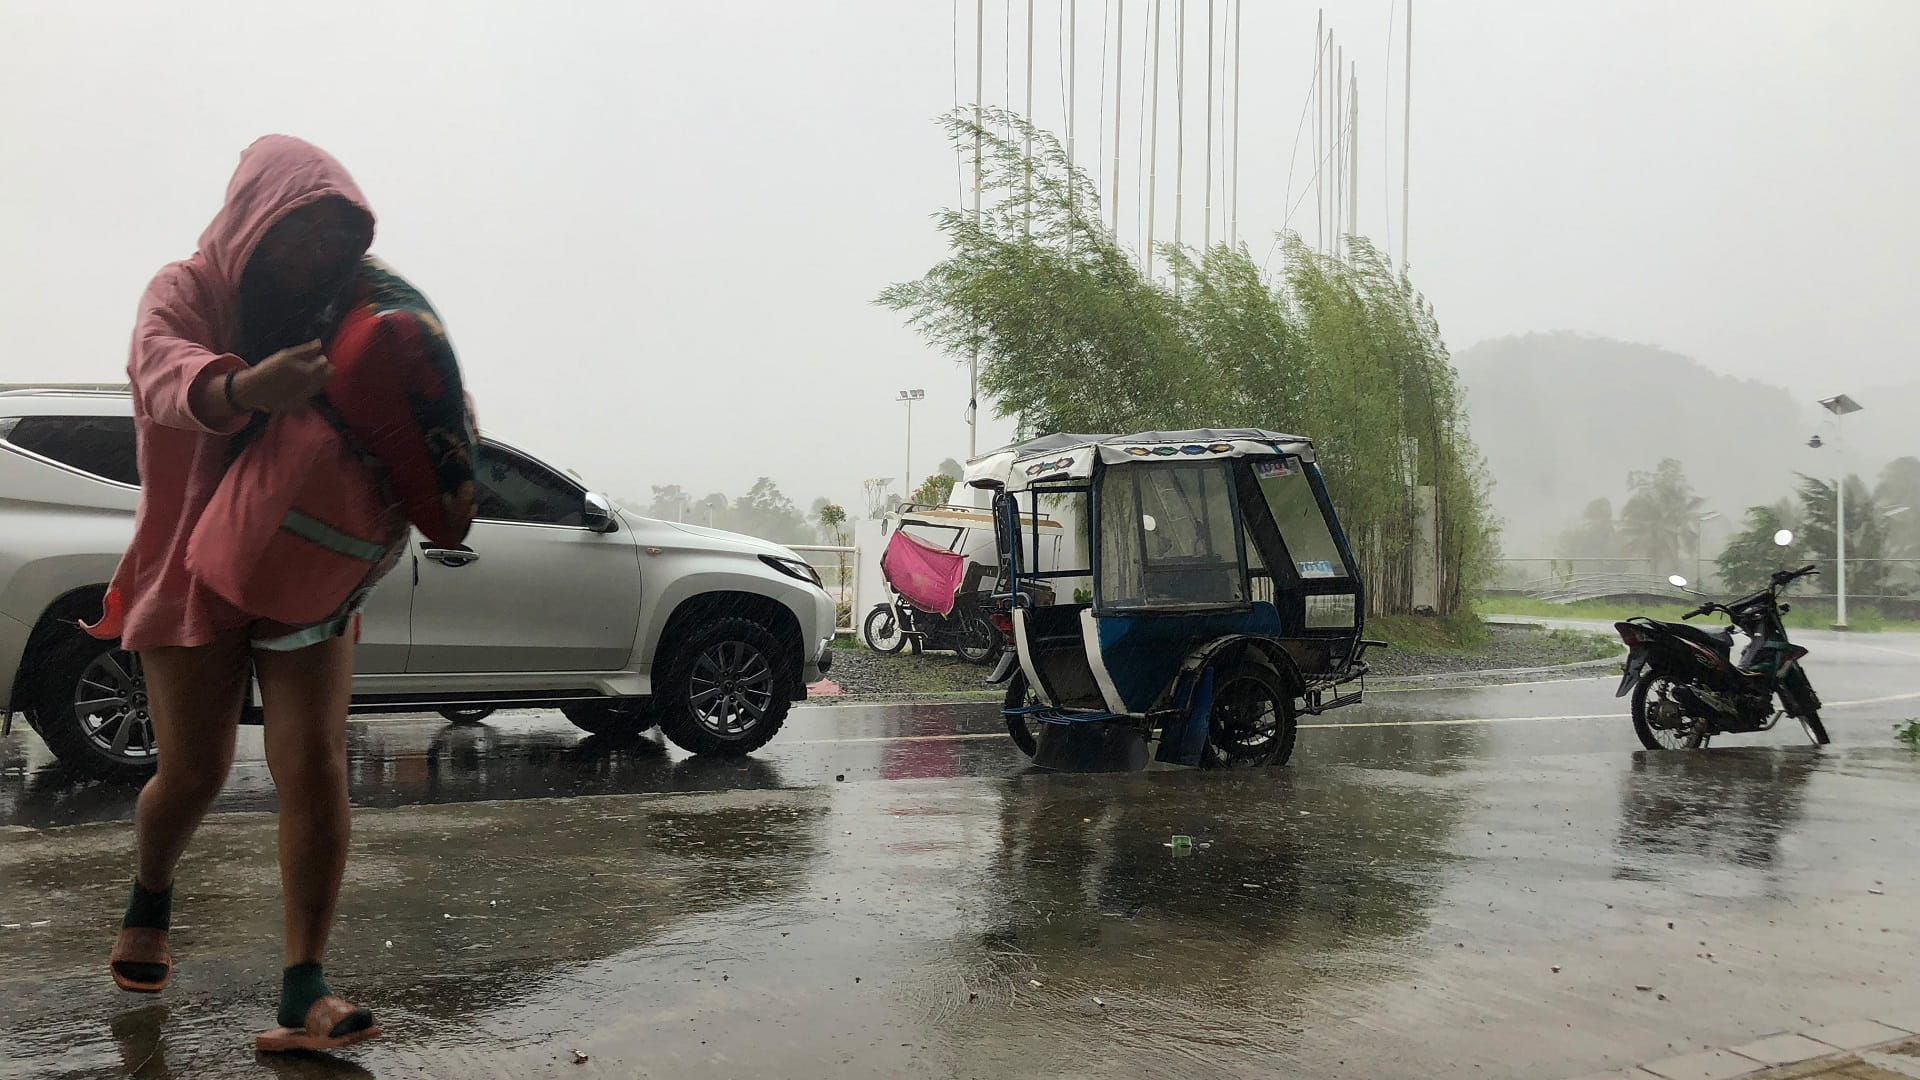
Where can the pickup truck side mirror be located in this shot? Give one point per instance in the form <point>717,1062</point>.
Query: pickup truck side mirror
<point>597,514</point>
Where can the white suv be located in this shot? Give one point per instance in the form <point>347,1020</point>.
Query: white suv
<point>558,599</point>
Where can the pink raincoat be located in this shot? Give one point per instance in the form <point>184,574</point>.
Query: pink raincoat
<point>188,325</point>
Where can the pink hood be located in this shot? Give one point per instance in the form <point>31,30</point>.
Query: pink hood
<point>277,175</point>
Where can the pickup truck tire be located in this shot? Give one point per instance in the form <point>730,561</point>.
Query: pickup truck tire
<point>724,688</point>
<point>114,737</point>
<point>626,717</point>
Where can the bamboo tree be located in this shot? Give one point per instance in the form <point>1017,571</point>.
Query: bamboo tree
<point>1073,336</point>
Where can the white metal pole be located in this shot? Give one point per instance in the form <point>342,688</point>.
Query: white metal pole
<point>1840,545</point>
<point>1319,51</point>
<point>1339,162</point>
<point>1353,152</point>
<point>1119,40</point>
<point>1179,122</point>
<point>1233,213</point>
<point>1153,140</point>
<point>1206,217</point>
<point>1028,150</point>
<point>1406,145</point>
<point>908,482</point>
<point>973,361</point>
<point>1073,34</point>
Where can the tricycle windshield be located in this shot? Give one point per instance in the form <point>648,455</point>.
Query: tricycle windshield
<point>1169,538</point>
<point>1296,511</point>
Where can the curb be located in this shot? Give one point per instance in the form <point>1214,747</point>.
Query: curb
<point>1383,682</point>
<point>1841,1050</point>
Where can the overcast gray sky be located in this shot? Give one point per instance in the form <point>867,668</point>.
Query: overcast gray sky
<point>655,229</point>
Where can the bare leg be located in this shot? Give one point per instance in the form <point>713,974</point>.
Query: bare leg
<point>195,695</point>
<point>306,695</point>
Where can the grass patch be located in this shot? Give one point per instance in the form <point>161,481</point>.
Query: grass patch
<point>1459,633</point>
<point>1814,616</point>
<point>1908,732</point>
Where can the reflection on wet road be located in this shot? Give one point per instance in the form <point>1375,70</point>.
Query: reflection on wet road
<point>1467,881</point>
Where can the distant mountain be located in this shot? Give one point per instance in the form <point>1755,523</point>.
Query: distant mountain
<point>1562,418</point>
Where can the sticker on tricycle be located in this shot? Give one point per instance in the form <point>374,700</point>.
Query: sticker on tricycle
<point>1316,569</point>
<point>1268,470</point>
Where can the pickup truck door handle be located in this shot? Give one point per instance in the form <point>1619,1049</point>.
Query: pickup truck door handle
<point>459,556</point>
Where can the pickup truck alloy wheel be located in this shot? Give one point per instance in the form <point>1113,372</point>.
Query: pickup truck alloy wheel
<point>91,707</point>
<point>110,702</point>
<point>724,691</point>
<point>731,688</point>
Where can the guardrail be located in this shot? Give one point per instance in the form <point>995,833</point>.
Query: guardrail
<point>1576,587</point>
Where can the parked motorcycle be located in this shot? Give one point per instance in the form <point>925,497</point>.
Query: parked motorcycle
<point>1688,688</point>
<point>891,626</point>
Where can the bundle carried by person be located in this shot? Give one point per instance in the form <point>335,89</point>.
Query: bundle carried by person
<point>313,512</point>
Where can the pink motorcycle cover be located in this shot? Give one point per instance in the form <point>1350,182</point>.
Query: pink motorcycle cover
<point>926,575</point>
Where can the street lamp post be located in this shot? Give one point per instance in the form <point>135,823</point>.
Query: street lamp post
<point>908,397</point>
<point>1839,405</point>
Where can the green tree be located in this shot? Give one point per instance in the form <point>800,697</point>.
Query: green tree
<point>1867,574</point>
<point>1660,521</point>
<point>1751,556</point>
<point>933,491</point>
<point>764,511</point>
<point>1072,336</point>
<point>1593,534</point>
<point>670,503</point>
<point>832,519</point>
<point>1898,494</point>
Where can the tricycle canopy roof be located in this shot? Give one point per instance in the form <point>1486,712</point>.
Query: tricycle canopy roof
<point>1066,456</point>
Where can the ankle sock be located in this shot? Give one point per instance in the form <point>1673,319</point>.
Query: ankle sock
<point>300,986</point>
<point>146,908</point>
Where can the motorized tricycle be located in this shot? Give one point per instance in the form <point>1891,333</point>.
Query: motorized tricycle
<point>941,575</point>
<point>1223,600</point>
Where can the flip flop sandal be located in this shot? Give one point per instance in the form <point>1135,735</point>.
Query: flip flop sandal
<point>136,952</point>
<point>331,1024</point>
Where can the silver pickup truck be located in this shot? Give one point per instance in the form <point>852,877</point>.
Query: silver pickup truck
<point>558,599</point>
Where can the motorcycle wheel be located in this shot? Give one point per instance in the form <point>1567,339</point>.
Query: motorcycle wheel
<point>979,641</point>
<point>882,631</point>
<point>1692,737</point>
<point>1795,696</point>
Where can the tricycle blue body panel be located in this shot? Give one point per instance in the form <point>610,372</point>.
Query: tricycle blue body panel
<point>1142,654</point>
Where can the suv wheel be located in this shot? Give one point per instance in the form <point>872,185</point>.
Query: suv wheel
<point>724,690</point>
<point>623,717</point>
<point>91,707</point>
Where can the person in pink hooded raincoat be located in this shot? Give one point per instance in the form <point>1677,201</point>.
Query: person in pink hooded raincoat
<point>224,338</point>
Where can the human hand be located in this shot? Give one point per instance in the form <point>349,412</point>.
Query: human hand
<point>286,380</point>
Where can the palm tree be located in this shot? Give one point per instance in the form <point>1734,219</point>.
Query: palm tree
<point>1661,518</point>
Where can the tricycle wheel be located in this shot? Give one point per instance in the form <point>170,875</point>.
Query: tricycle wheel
<point>979,641</point>
<point>1021,726</point>
<point>1253,721</point>
<point>883,631</point>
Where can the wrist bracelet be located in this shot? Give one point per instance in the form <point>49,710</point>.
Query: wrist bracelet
<point>231,402</point>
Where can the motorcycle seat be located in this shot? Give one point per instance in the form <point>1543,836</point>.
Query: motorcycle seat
<point>1720,640</point>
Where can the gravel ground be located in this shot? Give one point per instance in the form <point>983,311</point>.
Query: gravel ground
<point>862,673</point>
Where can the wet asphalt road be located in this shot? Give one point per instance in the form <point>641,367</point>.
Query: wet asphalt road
<point>1393,904</point>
